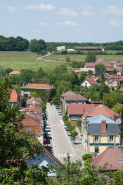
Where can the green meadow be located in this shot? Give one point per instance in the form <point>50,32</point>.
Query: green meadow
<point>18,60</point>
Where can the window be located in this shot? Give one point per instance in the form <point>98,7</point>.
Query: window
<point>74,117</point>
<point>97,149</point>
<point>111,138</point>
<point>96,139</point>
<point>86,84</point>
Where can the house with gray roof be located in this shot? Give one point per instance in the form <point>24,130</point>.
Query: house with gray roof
<point>99,133</point>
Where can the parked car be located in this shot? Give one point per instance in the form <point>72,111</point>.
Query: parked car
<point>48,135</point>
<point>68,133</point>
<point>57,106</point>
<point>59,113</point>
<point>64,126</point>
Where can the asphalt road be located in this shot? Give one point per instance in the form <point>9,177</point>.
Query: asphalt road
<point>60,140</point>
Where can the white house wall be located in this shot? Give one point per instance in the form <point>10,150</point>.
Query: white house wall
<point>84,83</point>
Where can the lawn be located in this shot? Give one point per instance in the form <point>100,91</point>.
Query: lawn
<point>18,60</point>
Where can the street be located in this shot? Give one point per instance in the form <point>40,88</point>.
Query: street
<point>61,142</point>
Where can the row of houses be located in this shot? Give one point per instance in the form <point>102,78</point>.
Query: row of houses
<point>100,126</point>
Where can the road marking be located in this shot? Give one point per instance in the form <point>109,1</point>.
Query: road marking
<point>71,155</point>
<point>58,155</point>
<point>62,155</point>
<point>65,155</point>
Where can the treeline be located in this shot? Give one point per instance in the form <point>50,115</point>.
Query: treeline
<point>51,46</point>
<point>13,44</point>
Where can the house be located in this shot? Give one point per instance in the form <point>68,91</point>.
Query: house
<point>96,102</point>
<point>99,133</point>
<point>100,61</point>
<point>115,63</point>
<point>72,98</point>
<point>16,98</point>
<point>89,82</point>
<point>88,48</point>
<point>26,90</point>
<point>60,48</point>
<point>17,73</point>
<point>92,65</point>
<point>76,111</point>
<point>33,123</point>
<point>44,160</point>
<point>108,70</point>
<point>34,101</point>
<point>102,109</point>
<point>85,70</point>
<point>112,156</point>
<point>121,90</point>
<point>114,81</point>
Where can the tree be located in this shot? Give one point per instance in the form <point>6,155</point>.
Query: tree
<point>109,99</point>
<point>90,58</point>
<point>67,59</point>
<point>78,122</point>
<point>8,70</point>
<point>37,45</point>
<point>99,70</point>
<point>86,156</point>
<point>15,145</point>
<point>82,76</point>
<point>74,133</point>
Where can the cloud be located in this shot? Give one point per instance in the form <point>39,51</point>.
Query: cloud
<point>68,23</point>
<point>42,24</point>
<point>12,9</point>
<point>35,30</point>
<point>67,12</point>
<point>116,23</point>
<point>88,7</point>
<point>113,9</point>
<point>39,7</point>
<point>86,13</point>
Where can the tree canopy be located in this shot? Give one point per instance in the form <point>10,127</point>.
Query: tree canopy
<point>91,57</point>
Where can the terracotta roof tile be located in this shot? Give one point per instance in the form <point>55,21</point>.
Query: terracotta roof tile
<point>93,64</point>
<point>101,109</point>
<point>91,81</point>
<point>34,101</point>
<point>109,69</point>
<point>75,97</point>
<point>121,89</point>
<point>14,73</point>
<point>110,156</point>
<point>37,86</point>
<point>77,109</point>
<point>68,93</point>
<point>14,96</point>
<point>99,60</point>
<point>114,61</point>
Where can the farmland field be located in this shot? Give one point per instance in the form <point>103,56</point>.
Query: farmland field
<point>18,60</point>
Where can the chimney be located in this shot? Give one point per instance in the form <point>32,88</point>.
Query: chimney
<point>120,153</point>
<point>121,116</point>
<point>103,125</point>
<point>114,117</point>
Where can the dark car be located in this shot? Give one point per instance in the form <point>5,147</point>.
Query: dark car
<point>57,106</point>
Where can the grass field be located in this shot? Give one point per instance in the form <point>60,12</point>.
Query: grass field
<point>18,60</point>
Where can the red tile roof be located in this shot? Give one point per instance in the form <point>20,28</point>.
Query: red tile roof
<point>34,101</point>
<point>88,47</point>
<point>14,73</point>
<point>91,81</point>
<point>96,101</point>
<point>93,64</point>
<point>75,97</point>
<point>101,109</point>
<point>14,96</point>
<point>37,86</point>
<point>99,60</point>
<point>77,109</point>
<point>121,89</point>
<point>68,93</point>
<point>110,156</point>
<point>31,123</point>
<point>114,61</point>
<point>109,69</point>
<point>79,70</point>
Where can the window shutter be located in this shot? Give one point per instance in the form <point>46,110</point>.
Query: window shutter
<point>93,139</point>
<point>114,138</point>
<point>99,139</point>
<point>108,139</point>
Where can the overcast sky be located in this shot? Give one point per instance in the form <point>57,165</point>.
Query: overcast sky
<point>63,20</point>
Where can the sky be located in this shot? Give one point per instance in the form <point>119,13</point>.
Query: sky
<point>80,21</point>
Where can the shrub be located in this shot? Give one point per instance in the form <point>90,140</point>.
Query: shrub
<point>86,157</point>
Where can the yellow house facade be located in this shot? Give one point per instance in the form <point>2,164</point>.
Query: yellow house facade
<point>100,133</point>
